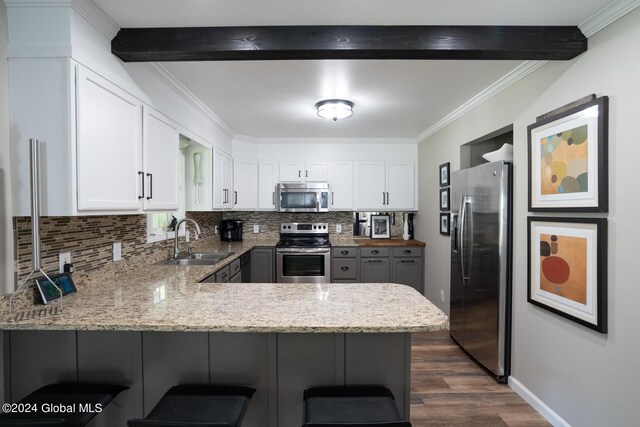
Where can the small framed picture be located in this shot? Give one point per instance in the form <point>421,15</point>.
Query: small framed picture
<point>48,291</point>
<point>444,174</point>
<point>444,199</point>
<point>444,224</point>
<point>568,160</point>
<point>568,268</point>
<point>380,227</point>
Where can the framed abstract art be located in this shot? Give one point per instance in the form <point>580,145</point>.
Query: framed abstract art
<point>568,268</point>
<point>568,160</point>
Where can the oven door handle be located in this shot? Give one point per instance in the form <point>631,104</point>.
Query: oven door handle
<point>303,250</point>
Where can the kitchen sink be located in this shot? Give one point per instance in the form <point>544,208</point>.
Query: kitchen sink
<point>200,258</point>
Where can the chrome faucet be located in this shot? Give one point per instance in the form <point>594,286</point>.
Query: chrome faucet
<point>176,250</point>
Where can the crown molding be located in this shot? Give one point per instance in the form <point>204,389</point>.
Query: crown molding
<point>174,84</point>
<point>599,20</point>
<point>607,15</point>
<point>96,17</point>
<point>515,75</point>
<point>257,140</point>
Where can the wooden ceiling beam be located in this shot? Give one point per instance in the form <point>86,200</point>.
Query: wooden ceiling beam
<point>349,42</point>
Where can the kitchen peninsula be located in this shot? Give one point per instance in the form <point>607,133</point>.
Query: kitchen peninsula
<point>152,327</point>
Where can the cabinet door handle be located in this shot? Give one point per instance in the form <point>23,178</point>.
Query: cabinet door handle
<point>387,198</point>
<point>150,176</point>
<point>273,198</point>
<point>306,173</point>
<point>407,251</point>
<point>375,252</point>
<point>344,268</point>
<point>224,275</point>
<point>344,252</point>
<point>411,261</point>
<point>226,196</point>
<point>299,173</point>
<point>333,199</point>
<point>383,198</point>
<point>235,196</point>
<point>141,175</point>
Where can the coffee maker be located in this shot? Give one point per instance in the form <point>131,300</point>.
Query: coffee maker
<point>231,230</point>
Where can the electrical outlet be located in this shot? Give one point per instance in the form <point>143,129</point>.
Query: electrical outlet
<point>216,230</point>
<point>338,228</point>
<point>256,228</point>
<point>117,251</point>
<point>441,295</point>
<point>65,258</point>
<point>187,236</point>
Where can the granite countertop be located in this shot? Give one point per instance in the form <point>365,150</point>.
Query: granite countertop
<point>144,297</point>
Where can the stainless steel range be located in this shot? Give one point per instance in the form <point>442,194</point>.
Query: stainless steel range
<point>303,254</point>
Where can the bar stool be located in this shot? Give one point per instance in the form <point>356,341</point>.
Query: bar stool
<point>199,406</point>
<point>67,395</point>
<point>361,406</point>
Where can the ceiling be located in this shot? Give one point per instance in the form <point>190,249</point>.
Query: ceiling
<point>393,99</point>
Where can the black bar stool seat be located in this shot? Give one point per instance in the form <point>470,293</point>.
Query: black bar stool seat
<point>82,398</point>
<point>356,406</point>
<point>199,406</point>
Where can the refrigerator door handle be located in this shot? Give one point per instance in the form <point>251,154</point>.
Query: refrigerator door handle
<point>466,201</point>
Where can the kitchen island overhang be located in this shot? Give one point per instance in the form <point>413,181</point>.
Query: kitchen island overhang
<point>278,338</point>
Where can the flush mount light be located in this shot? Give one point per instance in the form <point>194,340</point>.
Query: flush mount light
<point>335,109</point>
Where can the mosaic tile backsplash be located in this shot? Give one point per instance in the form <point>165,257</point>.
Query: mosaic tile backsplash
<point>90,239</point>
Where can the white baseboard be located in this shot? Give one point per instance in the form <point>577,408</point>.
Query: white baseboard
<point>537,404</point>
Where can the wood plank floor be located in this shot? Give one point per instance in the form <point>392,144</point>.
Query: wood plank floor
<point>450,389</point>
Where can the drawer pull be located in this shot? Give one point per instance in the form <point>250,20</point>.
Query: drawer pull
<point>375,252</point>
<point>407,251</point>
<point>344,268</point>
<point>344,252</point>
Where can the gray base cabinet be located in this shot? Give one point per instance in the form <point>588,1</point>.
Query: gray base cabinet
<point>263,265</point>
<point>404,265</point>
<point>279,366</point>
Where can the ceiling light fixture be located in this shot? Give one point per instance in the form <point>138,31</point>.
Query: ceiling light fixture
<point>335,109</point>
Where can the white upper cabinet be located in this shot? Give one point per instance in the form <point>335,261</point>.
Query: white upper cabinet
<point>370,186</point>
<point>267,180</point>
<point>160,150</point>
<point>222,180</point>
<point>245,181</point>
<point>400,186</point>
<point>300,171</point>
<point>109,146</point>
<point>385,186</point>
<point>341,186</point>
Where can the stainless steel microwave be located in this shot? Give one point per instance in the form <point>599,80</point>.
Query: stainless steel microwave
<point>302,197</point>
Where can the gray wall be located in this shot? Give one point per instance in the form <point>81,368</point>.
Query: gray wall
<point>586,378</point>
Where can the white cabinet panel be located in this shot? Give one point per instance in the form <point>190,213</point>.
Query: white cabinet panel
<point>401,186</point>
<point>160,152</point>
<point>267,180</point>
<point>341,185</point>
<point>109,149</point>
<point>315,172</point>
<point>291,171</point>
<point>245,181</point>
<point>299,171</point>
<point>222,180</point>
<point>370,186</point>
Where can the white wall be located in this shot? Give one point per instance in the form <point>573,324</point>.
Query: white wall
<point>587,378</point>
<point>6,234</point>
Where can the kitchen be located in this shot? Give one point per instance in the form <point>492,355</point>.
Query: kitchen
<point>583,359</point>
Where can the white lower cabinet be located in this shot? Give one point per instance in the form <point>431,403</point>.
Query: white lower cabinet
<point>245,184</point>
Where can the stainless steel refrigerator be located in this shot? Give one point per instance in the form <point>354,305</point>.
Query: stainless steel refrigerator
<point>480,312</point>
